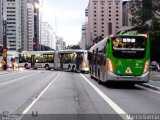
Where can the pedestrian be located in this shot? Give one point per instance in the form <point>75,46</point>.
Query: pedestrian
<point>12,63</point>
<point>3,64</point>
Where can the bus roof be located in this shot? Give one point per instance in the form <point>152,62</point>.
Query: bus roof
<point>71,50</point>
<point>99,45</point>
<point>37,52</point>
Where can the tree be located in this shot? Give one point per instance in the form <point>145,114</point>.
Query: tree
<point>45,48</point>
<point>73,47</point>
<point>146,19</point>
<point>146,14</point>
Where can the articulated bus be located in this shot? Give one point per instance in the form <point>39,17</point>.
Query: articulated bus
<point>124,57</point>
<point>73,60</point>
<point>37,59</point>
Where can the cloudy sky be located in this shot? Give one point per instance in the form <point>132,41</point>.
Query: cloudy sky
<point>69,16</point>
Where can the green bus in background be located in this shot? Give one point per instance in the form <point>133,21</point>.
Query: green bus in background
<point>124,57</point>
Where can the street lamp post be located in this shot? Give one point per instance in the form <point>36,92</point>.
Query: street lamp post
<point>39,6</point>
<point>4,53</point>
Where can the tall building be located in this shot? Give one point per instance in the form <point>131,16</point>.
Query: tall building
<point>30,25</point>
<point>60,44</point>
<point>104,18</point>
<point>36,25</point>
<point>127,15</point>
<point>14,24</point>
<point>24,39</point>
<point>83,37</point>
<point>47,35</point>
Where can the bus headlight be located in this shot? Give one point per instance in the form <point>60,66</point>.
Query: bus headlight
<point>146,67</point>
<point>109,64</point>
<point>0,65</point>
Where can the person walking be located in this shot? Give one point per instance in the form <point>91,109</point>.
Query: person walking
<point>12,63</point>
<point>3,64</point>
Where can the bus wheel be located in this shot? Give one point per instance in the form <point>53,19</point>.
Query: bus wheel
<point>47,67</point>
<point>26,66</point>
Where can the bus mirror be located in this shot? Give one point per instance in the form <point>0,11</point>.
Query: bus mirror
<point>108,41</point>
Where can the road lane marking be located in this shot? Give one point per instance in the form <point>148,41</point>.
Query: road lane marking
<point>157,75</point>
<point>148,89</point>
<point>15,80</point>
<point>113,105</point>
<point>33,102</point>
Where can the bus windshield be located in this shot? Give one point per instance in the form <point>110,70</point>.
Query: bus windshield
<point>129,47</point>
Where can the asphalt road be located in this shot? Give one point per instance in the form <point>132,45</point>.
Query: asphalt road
<point>75,96</point>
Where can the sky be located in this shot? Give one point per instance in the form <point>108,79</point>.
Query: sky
<point>66,17</point>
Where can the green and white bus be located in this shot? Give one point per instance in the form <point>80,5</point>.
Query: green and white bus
<point>124,57</point>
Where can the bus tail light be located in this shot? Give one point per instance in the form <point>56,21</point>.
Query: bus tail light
<point>110,67</point>
<point>85,65</point>
<point>146,67</point>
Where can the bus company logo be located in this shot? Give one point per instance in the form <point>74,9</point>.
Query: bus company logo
<point>7,116</point>
<point>128,70</point>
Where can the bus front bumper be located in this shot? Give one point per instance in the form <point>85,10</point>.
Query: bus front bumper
<point>143,78</point>
<point>85,69</point>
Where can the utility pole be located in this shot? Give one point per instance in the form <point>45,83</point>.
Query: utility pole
<point>4,51</point>
<point>40,36</point>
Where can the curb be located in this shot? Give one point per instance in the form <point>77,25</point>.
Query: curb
<point>150,86</point>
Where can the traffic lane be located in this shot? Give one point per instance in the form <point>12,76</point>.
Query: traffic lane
<point>155,76</point>
<point>13,75</point>
<point>133,100</point>
<point>71,96</point>
<point>17,95</point>
<point>155,80</point>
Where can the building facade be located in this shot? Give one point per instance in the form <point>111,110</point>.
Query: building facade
<point>48,37</point>
<point>14,24</point>
<point>36,26</point>
<point>104,18</point>
<point>24,39</point>
<point>30,25</point>
<point>60,44</point>
<point>83,37</point>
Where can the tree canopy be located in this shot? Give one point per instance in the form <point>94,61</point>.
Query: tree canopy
<point>146,19</point>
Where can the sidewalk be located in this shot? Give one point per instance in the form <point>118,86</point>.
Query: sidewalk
<point>2,72</point>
